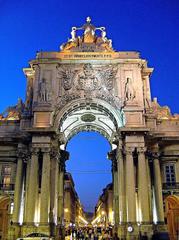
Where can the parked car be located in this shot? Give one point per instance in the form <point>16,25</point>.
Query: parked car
<point>36,236</point>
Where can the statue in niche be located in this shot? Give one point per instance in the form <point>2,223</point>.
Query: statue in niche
<point>129,91</point>
<point>43,91</point>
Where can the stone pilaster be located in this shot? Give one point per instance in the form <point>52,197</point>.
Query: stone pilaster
<point>158,187</point>
<point>18,188</point>
<point>32,187</point>
<point>143,190</point>
<point>130,186</point>
<point>45,187</point>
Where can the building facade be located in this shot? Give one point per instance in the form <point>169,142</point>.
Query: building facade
<point>104,214</point>
<point>87,86</point>
<point>74,215</point>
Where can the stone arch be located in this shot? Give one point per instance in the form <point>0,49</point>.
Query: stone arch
<point>172,215</point>
<point>89,115</point>
<point>4,206</point>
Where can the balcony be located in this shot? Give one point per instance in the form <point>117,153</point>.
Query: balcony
<point>6,187</point>
<point>171,185</point>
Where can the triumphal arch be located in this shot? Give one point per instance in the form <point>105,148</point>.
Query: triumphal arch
<point>88,86</point>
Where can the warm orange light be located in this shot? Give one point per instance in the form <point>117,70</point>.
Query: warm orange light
<point>66,210</point>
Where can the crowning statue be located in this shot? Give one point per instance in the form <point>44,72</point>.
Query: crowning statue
<point>89,41</point>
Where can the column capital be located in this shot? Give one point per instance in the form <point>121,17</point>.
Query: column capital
<point>34,150</point>
<point>45,150</point>
<point>24,154</point>
<point>54,153</point>
<point>141,150</point>
<point>153,155</point>
<point>128,150</point>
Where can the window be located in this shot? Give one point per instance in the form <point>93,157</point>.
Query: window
<point>6,175</point>
<point>170,173</point>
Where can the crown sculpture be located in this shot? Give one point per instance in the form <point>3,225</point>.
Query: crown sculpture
<point>89,41</point>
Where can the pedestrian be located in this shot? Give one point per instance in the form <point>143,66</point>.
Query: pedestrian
<point>144,237</point>
<point>115,237</point>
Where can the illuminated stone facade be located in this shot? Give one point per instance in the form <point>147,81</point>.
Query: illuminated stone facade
<point>87,86</point>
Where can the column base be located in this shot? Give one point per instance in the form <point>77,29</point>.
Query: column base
<point>122,231</point>
<point>29,228</point>
<point>133,231</point>
<point>146,229</point>
<point>14,231</point>
<point>160,230</point>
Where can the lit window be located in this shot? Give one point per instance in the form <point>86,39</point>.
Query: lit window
<point>170,173</point>
<point>6,180</point>
<point>6,175</point>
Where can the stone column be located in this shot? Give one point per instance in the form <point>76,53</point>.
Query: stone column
<point>121,184</point>
<point>158,188</point>
<point>64,155</point>
<point>45,187</point>
<point>112,157</point>
<point>130,186</point>
<point>53,190</point>
<point>32,187</point>
<point>60,194</point>
<point>27,173</point>
<point>143,190</point>
<point>18,188</point>
<point>115,192</point>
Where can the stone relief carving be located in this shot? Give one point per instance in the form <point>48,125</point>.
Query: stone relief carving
<point>109,76</point>
<point>87,79</point>
<point>129,91</point>
<point>67,76</point>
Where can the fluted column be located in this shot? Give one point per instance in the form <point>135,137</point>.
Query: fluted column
<point>121,184</point>
<point>130,186</point>
<point>158,188</point>
<point>32,187</point>
<point>18,188</point>
<point>45,187</point>
<point>143,190</point>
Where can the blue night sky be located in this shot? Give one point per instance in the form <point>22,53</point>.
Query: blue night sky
<point>148,26</point>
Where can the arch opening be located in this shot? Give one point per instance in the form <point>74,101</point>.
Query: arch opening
<point>91,172</point>
<point>93,115</point>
